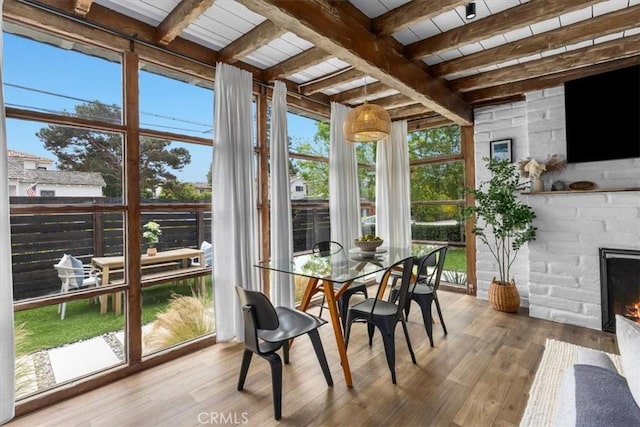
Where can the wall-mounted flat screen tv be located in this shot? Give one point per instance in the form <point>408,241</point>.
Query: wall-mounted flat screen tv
<point>603,116</point>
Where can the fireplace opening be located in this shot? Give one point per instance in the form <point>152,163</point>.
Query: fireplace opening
<point>620,285</point>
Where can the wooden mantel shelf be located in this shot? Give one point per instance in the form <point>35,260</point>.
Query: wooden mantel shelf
<point>595,190</point>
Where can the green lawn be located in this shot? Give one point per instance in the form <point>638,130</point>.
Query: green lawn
<point>83,319</point>
<point>456,259</point>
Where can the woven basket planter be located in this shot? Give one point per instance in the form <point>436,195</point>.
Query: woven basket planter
<point>504,296</point>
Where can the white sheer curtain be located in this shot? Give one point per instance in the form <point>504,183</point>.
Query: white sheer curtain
<point>393,203</point>
<point>7,362</point>
<point>235,227</point>
<point>344,190</point>
<point>281,233</point>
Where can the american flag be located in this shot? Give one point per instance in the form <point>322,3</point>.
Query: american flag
<point>31,191</point>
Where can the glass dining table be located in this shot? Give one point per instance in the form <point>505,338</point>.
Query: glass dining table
<point>332,275</point>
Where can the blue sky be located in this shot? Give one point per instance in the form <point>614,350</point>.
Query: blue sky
<point>52,79</point>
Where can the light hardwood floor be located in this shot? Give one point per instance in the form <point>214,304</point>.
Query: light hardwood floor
<point>477,375</point>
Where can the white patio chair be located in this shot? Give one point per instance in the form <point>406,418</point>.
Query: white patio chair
<point>207,250</point>
<point>75,275</point>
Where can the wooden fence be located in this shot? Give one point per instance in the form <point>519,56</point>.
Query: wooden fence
<point>39,241</point>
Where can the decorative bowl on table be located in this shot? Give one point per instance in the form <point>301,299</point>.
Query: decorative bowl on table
<point>367,245</point>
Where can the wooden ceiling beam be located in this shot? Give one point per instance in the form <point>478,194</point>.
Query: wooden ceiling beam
<point>108,19</point>
<point>601,52</point>
<point>411,13</point>
<point>259,36</point>
<point>302,61</point>
<point>331,81</point>
<point>318,22</point>
<point>428,123</point>
<point>409,111</point>
<point>504,91</point>
<point>24,14</point>
<point>82,7</point>
<point>305,106</point>
<point>393,101</point>
<point>599,26</point>
<point>180,18</point>
<point>352,95</point>
<point>510,19</point>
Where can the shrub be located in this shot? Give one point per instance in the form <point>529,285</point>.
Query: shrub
<point>185,318</point>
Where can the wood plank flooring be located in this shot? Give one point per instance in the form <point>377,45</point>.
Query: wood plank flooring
<point>477,375</point>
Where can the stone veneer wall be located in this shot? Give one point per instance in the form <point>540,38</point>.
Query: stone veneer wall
<point>558,274</point>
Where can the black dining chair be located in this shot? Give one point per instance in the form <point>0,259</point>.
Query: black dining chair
<point>425,289</point>
<point>385,315</point>
<point>328,248</point>
<point>267,329</point>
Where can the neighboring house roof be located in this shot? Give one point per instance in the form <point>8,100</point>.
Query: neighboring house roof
<point>63,177</point>
<point>15,167</point>
<point>29,176</point>
<point>21,155</point>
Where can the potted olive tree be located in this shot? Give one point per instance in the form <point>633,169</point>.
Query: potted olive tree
<point>504,223</point>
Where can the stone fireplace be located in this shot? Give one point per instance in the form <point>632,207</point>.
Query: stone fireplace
<point>558,274</point>
<point>620,285</point>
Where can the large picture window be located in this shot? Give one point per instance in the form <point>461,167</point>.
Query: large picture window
<point>71,217</point>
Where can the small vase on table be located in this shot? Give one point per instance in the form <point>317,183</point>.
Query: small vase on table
<point>537,185</point>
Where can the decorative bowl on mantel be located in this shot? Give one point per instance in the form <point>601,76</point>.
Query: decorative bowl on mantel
<point>368,245</point>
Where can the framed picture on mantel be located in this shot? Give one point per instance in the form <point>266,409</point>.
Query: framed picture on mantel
<point>501,150</point>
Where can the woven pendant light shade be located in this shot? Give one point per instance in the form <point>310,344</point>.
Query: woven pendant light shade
<point>367,123</point>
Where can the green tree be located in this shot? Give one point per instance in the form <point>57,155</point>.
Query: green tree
<point>316,174</point>
<point>443,181</point>
<point>175,190</point>
<point>88,150</point>
<point>429,182</point>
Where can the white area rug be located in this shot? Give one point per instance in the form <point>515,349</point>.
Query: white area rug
<point>541,406</point>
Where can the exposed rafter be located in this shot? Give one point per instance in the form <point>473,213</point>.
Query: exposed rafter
<point>408,111</point>
<point>428,123</point>
<point>583,57</point>
<point>337,79</point>
<point>600,26</point>
<point>337,29</point>
<point>259,36</point>
<point>497,24</point>
<point>393,101</point>
<point>317,22</point>
<point>301,61</point>
<point>355,94</point>
<point>180,17</point>
<point>410,13</point>
<point>513,89</point>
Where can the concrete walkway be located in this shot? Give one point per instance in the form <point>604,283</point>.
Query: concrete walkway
<point>49,368</point>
